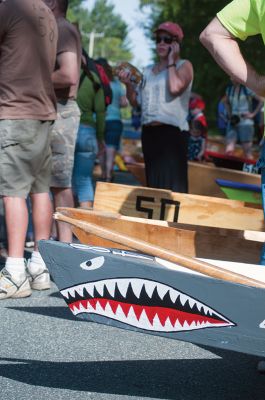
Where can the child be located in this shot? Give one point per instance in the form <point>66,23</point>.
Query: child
<point>197,141</point>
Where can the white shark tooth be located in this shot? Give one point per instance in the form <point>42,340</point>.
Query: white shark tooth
<point>72,291</point>
<point>75,310</point>
<point>65,293</point>
<point>191,302</point>
<point>111,284</point>
<point>137,285</point>
<point>82,308</point>
<point>90,289</point>
<point>108,310</point>
<point>178,326</point>
<point>183,298</point>
<point>119,313</point>
<point>99,308</point>
<point>80,290</point>
<point>131,318</point>
<point>186,325</point>
<point>149,288</point>
<point>168,326</point>
<point>99,286</point>
<point>173,295</point>
<point>162,290</point>
<point>144,321</point>
<point>156,323</point>
<point>123,287</point>
<point>193,325</point>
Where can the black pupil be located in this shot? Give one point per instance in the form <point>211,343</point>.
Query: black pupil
<point>88,263</point>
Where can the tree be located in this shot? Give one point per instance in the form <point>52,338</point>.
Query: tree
<point>193,16</point>
<point>114,44</point>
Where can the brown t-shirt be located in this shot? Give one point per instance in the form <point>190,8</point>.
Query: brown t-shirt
<point>28,39</point>
<point>68,41</point>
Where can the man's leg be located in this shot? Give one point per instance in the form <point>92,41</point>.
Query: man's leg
<point>42,221</point>
<point>13,281</point>
<point>63,197</point>
<point>247,148</point>
<point>16,215</point>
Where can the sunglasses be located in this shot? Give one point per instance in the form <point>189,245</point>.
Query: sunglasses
<point>165,39</point>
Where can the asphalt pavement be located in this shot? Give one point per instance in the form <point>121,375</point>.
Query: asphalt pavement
<point>48,354</point>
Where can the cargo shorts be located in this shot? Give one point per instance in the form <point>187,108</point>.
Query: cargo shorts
<point>25,157</point>
<point>63,141</point>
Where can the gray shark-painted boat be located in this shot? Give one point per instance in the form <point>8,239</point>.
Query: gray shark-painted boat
<point>142,293</point>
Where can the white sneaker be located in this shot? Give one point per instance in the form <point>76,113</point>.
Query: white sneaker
<point>11,289</point>
<point>40,281</point>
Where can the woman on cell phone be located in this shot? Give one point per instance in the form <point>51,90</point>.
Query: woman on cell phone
<point>164,99</point>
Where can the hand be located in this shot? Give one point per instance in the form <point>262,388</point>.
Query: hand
<point>125,77</point>
<point>173,55</point>
<point>247,115</point>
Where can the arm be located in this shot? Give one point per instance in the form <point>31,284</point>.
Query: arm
<point>124,101</point>
<point>203,148</point>
<point>225,50</point>
<point>68,72</point>
<point>178,80</point>
<point>100,111</point>
<point>131,93</point>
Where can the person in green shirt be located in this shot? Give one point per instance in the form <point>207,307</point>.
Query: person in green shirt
<point>90,137</point>
<point>239,20</point>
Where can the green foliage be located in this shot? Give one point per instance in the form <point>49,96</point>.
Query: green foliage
<point>102,18</point>
<point>193,16</point>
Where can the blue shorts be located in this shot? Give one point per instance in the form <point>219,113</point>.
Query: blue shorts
<point>113,133</point>
<point>241,133</point>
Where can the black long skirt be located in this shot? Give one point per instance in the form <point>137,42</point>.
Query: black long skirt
<point>165,150</point>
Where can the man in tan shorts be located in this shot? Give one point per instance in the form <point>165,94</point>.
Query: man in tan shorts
<point>66,81</point>
<point>28,39</point>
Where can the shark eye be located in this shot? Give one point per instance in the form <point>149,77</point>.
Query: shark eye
<point>94,263</point>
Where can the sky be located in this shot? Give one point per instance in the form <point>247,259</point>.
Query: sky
<point>129,11</point>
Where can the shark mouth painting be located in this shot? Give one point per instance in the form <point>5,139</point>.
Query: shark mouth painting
<point>144,304</point>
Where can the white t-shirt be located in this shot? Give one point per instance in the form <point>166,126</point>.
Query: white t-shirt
<point>158,104</point>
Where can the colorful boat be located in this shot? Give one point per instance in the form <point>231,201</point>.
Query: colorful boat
<point>241,191</point>
<point>147,294</point>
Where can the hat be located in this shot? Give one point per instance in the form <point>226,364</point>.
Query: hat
<point>172,29</point>
<point>197,103</point>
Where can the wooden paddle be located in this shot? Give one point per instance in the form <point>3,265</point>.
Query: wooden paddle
<point>145,247</point>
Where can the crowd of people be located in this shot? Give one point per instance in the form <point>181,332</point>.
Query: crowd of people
<point>56,118</point>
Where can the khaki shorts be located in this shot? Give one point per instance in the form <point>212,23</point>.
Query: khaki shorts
<point>25,157</point>
<point>63,140</point>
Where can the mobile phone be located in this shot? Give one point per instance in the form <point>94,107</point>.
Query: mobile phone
<point>169,50</point>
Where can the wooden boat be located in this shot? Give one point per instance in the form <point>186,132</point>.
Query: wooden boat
<point>164,205</point>
<point>202,177</point>
<point>241,191</point>
<point>189,240</point>
<point>152,295</point>
<point>228,161</point>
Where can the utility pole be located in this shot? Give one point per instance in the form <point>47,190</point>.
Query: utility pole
<point>92,36</point>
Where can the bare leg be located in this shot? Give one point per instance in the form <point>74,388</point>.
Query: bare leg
<point>110,155</point>
<point>86,204</point>
<point>16,215</point>
<point>63,197</point>
<point>230,148</point>
<point>102,162</point>
<point>247,148</point>
<point>42,216</point>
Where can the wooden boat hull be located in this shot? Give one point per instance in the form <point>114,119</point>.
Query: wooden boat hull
<point>190,240</point>
<point>135,201</point>
<point>145,294</point>
<point>202,177</point>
